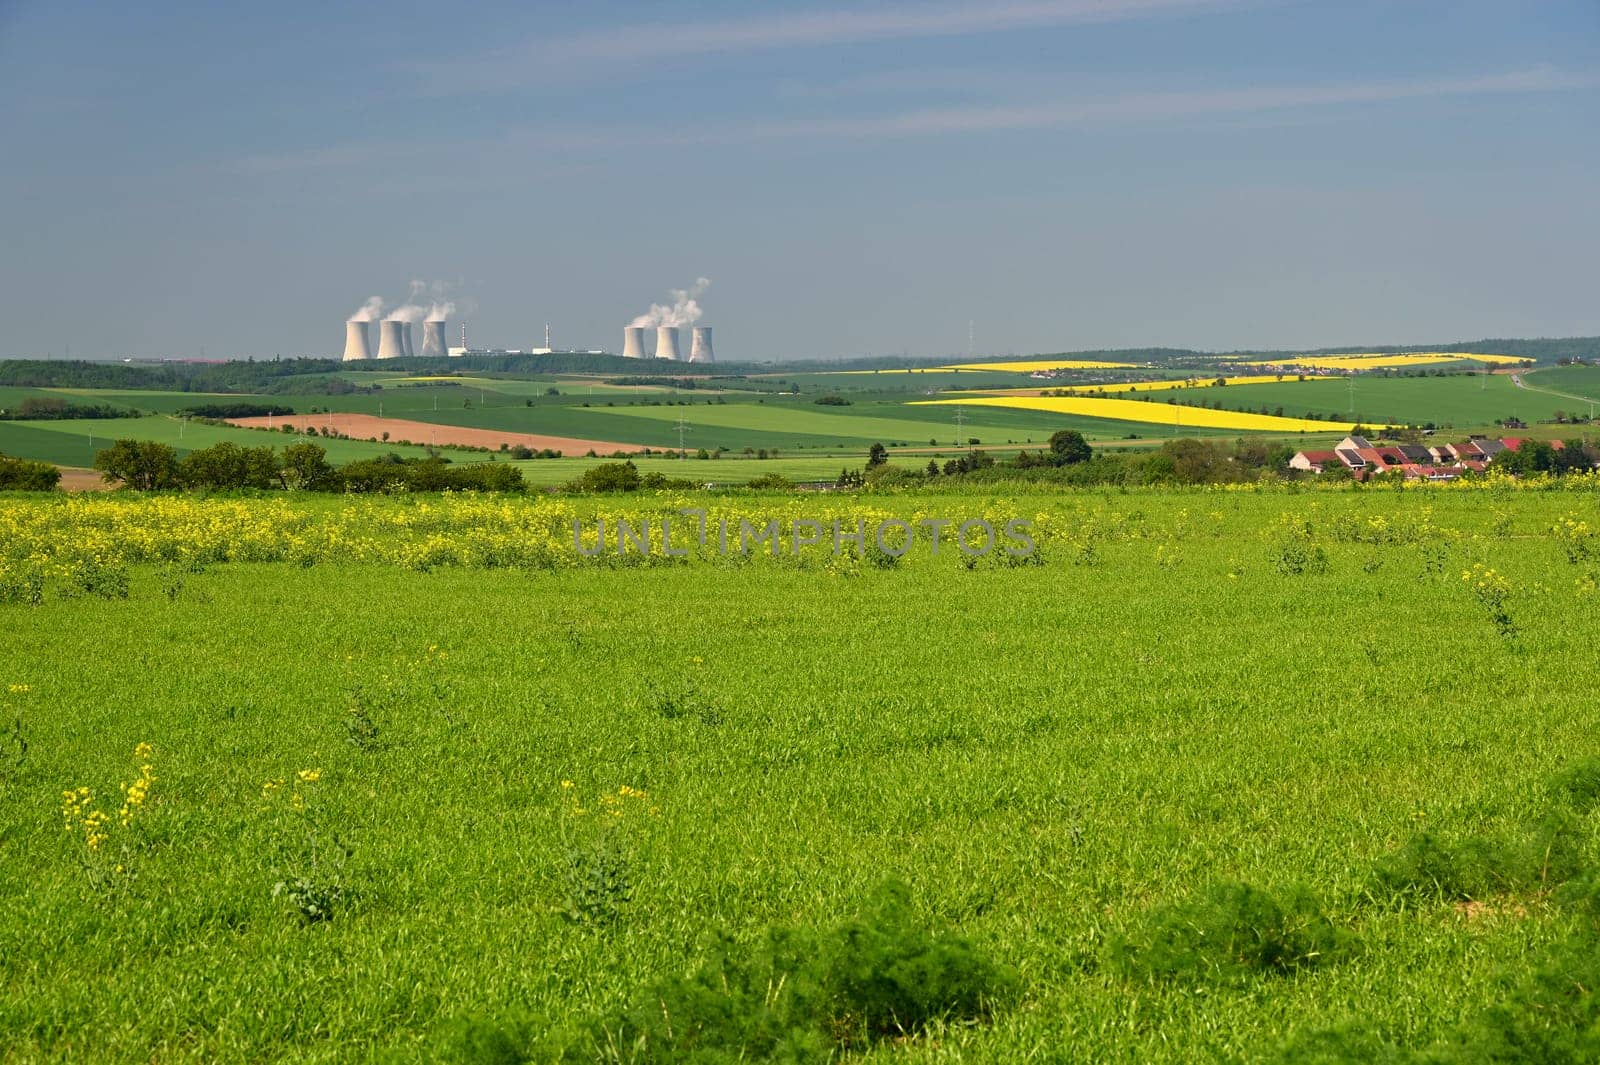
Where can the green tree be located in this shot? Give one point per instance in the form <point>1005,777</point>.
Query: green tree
<point>306,466</point>
<point>143,465</point>
<point>1068,446</point>
<point>609,477</point>
<point>877,455</point>
<point>22,475</point>
<point>226,466</point>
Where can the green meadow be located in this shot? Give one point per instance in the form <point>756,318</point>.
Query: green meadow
<point>75,442</point>
<point>1215,775</point>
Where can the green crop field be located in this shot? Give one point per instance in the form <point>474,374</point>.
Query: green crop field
<point>737,415</point>
<point>74,443</point>
<point>1210,776</point>
<point>1581,383</point>
<point>727,470</point>
<point>1459,400</point>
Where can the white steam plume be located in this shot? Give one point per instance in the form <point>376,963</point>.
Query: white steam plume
<point>412,309</point>
<point>684,310</point>
<point>370,311</point>
<point>440,311</point>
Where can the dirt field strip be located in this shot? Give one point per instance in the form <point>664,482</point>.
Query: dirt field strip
<point>401,430</point>
<point>78,479</point>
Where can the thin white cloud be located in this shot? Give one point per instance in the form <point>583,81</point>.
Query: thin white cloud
<point>1105,111</point>
<point>1145,107</point>
<point>615,47</point>
<point>812,29</point>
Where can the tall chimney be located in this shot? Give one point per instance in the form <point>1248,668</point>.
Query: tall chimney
<point>433,342</point>
<point>700,345</point>
<point>667,343</point>
<point>391,339</point>
<point>633,342</point>
<point>405,337</point>
<point>357,342</point>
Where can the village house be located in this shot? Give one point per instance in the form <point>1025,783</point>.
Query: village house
<point>1439,462</point>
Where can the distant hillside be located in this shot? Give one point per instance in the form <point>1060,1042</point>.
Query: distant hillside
<point>303,376</point>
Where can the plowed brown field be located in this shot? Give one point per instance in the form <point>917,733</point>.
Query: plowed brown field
<point>400,430</point>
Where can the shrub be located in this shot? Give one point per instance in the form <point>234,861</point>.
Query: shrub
<point>799,994</point>
<point>228,466</point>
<point>1230,932</point>
<point>23,475</point>
<point>143,465</point>
<point>1428,866</point>
<point>1579,783</point>
<point>608,477</point>
<point>770,480</point>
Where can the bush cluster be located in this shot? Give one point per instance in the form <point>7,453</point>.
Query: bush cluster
<point>1228,933</point>
<point>798,995</point>
<point>50,409</point>
<point>148,466</point>
<point>24,475</point>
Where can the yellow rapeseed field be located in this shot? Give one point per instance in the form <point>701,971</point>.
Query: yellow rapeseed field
<point>1381,360</point>
<point>1123,387</point>
<point>1029,366</point>
<point>1133,410</point>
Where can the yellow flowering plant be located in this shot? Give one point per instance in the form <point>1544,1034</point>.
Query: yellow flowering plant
<point>109,843</point>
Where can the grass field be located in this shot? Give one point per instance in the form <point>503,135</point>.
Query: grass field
<point>1146,412</point>
<point>74,443</point>
<point>726,470</point>
<point>1381,361</point>
<point>371,724</point>
<point>1458,400</point>
<point>905,410</point>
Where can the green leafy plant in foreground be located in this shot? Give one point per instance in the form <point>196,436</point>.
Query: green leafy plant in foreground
<point>1228,933</point>
<point>797,995</point>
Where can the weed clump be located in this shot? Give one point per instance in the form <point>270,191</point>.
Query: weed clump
<point>1430,867</point>
<point>799,995</point>
<point>1229,933</point>
<point>1579,784</point>
<point>1551,1015</point>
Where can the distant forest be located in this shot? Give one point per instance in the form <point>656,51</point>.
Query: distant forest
<point>306,376</point>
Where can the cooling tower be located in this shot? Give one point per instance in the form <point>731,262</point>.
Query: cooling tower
<point>667,343</point>
<point>405,338</point>
<point>357,345</point>
<point>700,345</point>
<point>633,342</point>
<point>391,339</point>
<point>433,342</point>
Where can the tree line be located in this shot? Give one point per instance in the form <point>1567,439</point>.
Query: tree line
<point>148,466</point>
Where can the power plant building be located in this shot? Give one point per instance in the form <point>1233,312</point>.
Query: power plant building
<point>357,342</point>
<point>633,342</point>
<point>391,339</point>
<point>667,343</point>
<point>434,344</point>
<point>700,345</point>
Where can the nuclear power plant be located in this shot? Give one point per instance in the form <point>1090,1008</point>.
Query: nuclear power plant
<point>396,331</point>
<point>391,339</point>
<point>357,342</point>
<point>434,344</point>
<point>700,345</point>
<point>667,343</point>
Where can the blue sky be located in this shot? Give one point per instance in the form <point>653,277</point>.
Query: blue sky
<point>869,178</point>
